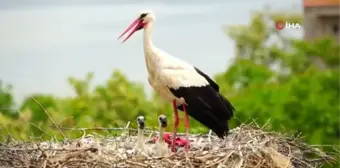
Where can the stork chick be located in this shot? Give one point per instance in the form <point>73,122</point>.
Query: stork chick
<point>140,145</point>
<point>161,147</point>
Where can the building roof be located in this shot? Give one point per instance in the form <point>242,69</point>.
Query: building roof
<point>316,3</point>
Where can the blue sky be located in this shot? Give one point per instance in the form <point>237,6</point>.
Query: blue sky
<point>44,42</point>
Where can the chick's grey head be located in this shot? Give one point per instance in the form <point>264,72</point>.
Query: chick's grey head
<point>162,120</point>
<point>140,122</point>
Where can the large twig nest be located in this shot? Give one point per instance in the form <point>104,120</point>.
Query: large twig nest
<point>246,146</point>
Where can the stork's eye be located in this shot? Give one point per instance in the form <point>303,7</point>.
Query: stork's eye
<point>143,15</point>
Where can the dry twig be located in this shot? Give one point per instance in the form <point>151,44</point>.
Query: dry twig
<point>49,116</point>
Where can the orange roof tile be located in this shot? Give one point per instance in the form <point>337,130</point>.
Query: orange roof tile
<point>313,3</point>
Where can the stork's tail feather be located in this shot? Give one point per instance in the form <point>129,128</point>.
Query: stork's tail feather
<point>222,134</point>
<point>203,115</point>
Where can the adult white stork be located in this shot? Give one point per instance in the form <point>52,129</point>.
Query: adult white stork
<point>189,89</point>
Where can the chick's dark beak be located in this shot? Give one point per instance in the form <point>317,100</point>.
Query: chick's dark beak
<point>141,124</point>
<point>164,122</point>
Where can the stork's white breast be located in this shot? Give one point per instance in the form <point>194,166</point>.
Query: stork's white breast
<point>175,78</point>
<point>171,71</point>
<point>177,73</point>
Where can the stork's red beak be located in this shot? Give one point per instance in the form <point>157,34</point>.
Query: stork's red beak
<point>137,25</point>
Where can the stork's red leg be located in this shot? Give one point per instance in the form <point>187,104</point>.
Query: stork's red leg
<point>186,127</point>
<point>176,119</point>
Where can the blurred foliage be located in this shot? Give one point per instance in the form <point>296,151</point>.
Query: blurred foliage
<point>274,76</point>
<point>7,101</point>
<point>292,82</point>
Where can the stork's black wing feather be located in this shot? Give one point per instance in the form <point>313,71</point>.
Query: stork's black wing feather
<point>208,106</point>
<point>211,82</point>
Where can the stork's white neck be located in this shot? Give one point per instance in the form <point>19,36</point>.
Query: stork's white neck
<point>151,52</point>
<point>140,137</point>
<point>140,132</point>
<point>161,134</point>
<point>147,42</point>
